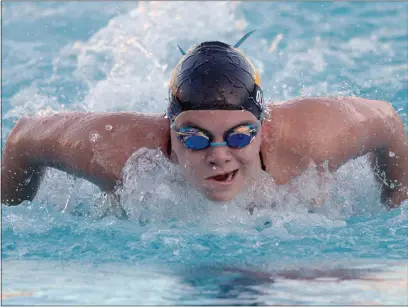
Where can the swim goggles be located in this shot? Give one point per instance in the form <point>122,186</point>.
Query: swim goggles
<point>198,139</point>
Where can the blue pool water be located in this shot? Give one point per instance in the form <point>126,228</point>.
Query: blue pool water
<point>69,247</point>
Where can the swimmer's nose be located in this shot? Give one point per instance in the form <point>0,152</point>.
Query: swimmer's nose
<point>218,155</point>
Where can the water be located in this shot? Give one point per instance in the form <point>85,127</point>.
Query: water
<point>164,243</point>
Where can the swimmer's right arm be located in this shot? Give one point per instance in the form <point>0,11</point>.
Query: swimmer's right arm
<point>87,145</point>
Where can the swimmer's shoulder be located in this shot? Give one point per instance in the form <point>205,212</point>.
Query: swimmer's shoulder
<point>114,124</point>
<point>116,133</point>
<point>338,104</point>
<point>309,124</point>
<point>138,129</point>
<point>313,114</point>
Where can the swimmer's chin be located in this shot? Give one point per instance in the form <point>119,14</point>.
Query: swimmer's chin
<point>219,197</point>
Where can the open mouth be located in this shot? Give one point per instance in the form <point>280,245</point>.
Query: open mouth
<point>226,177</point>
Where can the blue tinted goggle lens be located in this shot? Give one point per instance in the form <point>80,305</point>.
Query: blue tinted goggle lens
<point>238,140</point>
<point>196,142</point>
<point>197,139</point>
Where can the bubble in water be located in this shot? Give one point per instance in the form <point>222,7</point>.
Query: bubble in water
<point>94,137</point>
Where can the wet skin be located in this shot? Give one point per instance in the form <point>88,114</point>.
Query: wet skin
<point>294,134</point>
<point>239,165</point>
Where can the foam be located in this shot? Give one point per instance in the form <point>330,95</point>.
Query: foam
<point>126,65</point>
<point>154,191</point>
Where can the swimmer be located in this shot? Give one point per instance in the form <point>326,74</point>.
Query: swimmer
<point>220,131</point>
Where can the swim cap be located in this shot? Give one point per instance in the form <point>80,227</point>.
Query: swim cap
<point>215,76</point>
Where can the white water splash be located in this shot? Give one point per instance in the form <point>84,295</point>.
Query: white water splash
<point>154,191</point>
<point>126,65</point>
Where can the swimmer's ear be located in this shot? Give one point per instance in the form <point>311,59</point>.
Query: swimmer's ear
<point>243,39</point>
<point>181,50</point>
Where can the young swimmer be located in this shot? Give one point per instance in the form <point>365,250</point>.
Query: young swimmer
<point>218,129</point>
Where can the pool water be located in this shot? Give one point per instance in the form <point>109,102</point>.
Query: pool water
<point>164,244</point>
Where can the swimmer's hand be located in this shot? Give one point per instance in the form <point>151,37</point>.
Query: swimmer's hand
<point>87,145</point>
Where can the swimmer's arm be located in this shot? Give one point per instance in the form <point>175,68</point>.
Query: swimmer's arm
<point>391,166</point>
<point>87,145</point>
<point>381,132</point>
<point>330,131</point>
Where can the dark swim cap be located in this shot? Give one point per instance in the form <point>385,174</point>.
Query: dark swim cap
<point>215,76</point>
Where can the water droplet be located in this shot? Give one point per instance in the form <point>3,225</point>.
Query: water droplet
<point>214,168</point>
<point>108,127</point>
<point>391,154</point>
<point>94,137</point>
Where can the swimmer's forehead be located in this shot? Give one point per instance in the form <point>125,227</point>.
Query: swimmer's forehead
<point>212,118</point>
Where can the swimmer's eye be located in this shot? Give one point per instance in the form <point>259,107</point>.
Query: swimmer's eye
<point>198,139</point>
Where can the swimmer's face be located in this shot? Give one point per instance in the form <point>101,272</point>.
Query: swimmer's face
<point>233,167</point>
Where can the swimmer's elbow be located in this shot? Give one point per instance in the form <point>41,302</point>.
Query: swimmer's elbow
<point>394,198</point>
<point>10,201</point>
<point>14,197</point>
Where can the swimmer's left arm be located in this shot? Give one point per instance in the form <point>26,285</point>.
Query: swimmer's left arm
<point>373,127</point>
<point>391,165</point>
<point>331,131</point>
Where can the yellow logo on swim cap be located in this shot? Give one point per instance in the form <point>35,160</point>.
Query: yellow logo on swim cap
<point>257,77</point>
